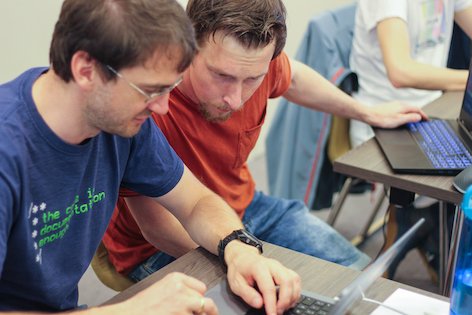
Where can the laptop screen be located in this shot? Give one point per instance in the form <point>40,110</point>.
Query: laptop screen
<point>466,111</point>
<point>353,292</point>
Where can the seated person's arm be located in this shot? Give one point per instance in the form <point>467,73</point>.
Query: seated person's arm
<point>203,214</point>
<point>308,88</point>
<point>208,219</point>
<point>403,71</point>
<point>159,226</point>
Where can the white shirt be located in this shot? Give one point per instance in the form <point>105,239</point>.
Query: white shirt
<point>429,23</point>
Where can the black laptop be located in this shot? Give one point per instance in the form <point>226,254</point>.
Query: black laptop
<point>434,147</point>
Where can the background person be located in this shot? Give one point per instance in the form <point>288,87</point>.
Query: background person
<point>400,52</point>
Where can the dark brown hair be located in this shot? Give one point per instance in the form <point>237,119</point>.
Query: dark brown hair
<point>120,33</point>
<point>255,23</point>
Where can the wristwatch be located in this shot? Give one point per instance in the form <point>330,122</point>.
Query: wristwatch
<point>241,235</point>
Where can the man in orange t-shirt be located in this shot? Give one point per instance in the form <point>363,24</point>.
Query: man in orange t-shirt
<point>213,123</point>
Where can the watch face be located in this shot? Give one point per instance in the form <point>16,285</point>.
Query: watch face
<point>249,239</point>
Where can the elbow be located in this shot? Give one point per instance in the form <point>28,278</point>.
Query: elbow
<point>399,78</point>
<point>150,235</point>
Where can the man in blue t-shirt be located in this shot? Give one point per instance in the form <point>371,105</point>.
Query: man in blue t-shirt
<point>72,134</point>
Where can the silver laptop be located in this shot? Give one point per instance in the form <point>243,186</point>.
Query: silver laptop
<point>229,304</point>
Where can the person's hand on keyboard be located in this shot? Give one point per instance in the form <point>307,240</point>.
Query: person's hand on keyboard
<point>247,269</point>
<point>393,114</point>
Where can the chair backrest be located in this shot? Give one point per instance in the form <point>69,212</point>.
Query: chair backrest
<point>297,138</point>
<point>340,23</point>
<point>332,33</point>
<point>336,28</point>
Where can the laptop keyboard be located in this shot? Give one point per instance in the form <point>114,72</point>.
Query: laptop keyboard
<point>305,306</point>
<point>440,144</point>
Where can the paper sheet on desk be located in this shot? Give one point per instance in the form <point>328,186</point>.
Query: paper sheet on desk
<point>413,304</point>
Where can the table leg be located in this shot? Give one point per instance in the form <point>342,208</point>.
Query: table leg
<point>333,213</point>
<point>443,247</point>
<point>455,236</point>
<point>403,198</point>
<point>378,204</point>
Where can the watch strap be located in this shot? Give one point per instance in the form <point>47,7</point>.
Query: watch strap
<point>241,235</point>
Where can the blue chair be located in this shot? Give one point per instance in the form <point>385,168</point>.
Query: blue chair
<point>298,136</point>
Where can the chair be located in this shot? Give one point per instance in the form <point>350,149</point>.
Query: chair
<point>298,136</point>
<point>107,273</point>
<point>300,140</point>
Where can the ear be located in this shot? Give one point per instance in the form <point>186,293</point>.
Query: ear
<point>84,70</point>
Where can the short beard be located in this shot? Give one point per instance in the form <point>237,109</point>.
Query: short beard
<point>99,116</point>
<point>210,118</point>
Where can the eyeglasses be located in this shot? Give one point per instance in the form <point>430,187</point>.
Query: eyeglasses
<point>149,97</point>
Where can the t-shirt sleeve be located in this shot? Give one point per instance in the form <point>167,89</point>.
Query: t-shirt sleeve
<point>280,75</point>
<point>460,5</point>
<point>153,167</point>
<point>9,188</point>
<point>125,192</point>
<point>5,223</point>
<point>375,11</point>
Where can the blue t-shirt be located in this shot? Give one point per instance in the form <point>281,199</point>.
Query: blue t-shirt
<point>56,199</point>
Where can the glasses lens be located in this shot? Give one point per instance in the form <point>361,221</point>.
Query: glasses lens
<point>163,91</point>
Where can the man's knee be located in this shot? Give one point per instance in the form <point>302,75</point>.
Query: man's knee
<point>362,262</point>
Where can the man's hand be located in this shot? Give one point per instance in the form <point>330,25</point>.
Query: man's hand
<point>393,114</point>
<point>174,294</point>
<point>254,278</point>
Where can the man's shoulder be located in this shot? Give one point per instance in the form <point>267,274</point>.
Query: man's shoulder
<point>278,78</point>
<point>11,119</point>
<point>15,93</point>
<point>280,62</point>
<point>12,111</point>
<point>12,148</point>
<point>15,124</point>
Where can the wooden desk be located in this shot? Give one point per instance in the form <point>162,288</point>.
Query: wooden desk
<point>318,276</point>
<point>368,162</point>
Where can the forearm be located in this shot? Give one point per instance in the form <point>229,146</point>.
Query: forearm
<point>405,72</point>
<point>203,214</point>
<point>412,74</point>
<point>211,221</point>
<point>309,89</point>
<point>160,227</point>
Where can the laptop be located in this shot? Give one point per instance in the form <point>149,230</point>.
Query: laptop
<point>434,147</point>
<point>312,303</point>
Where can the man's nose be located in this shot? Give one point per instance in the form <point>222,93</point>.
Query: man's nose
<point>160,104</point>
<point>234,97</point>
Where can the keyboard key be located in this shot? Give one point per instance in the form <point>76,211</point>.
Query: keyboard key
<point>305,306</point>
<point>440,144</point>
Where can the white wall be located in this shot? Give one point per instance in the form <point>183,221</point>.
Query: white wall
<point>25,32</point>
<point>27,25</point>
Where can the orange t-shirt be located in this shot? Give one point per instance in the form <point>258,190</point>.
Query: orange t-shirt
<point>216,153</point>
